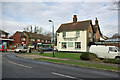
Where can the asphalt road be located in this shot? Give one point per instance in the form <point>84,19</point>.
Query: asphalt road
<point>18,68</point>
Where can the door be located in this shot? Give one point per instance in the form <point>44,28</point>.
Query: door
<point>112,52</point>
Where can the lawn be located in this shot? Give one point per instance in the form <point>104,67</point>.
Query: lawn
<point>83,64</point>
<point>75,56</point>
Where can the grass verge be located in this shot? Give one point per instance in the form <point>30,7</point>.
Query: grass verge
<point>75,56</point>
<point>90,65</point>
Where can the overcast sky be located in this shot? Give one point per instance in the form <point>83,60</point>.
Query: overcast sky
<point>17,15</point>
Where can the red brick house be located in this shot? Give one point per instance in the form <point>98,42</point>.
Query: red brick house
<point>4,40</point>
<point>19,38</point>
<point>28,38</point>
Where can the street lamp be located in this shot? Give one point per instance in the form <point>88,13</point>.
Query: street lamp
<point>53,36</point>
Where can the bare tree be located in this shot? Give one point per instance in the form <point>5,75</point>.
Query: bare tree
<point>33,29</point>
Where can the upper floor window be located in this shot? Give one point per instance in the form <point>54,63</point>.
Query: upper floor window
<point>77,33</point>
<point>38,40</point>
<point>94,35</point>
<point>3,35</point>
<point>23,39</point>
<point>64,34</point>
<point>89,34</point>
<point>32,39</point>
<point>46,41</point>
<point>42,40</point>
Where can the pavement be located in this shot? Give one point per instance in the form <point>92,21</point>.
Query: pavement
<point>15,68</point>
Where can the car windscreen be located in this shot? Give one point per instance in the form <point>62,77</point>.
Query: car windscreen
<point>20,48</point>
<point>117,48</point>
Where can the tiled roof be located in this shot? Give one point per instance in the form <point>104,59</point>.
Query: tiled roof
<point>37,36</point>
<point>80,25</point>
<point>1,31</point>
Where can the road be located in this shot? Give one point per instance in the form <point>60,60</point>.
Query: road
<point>14,68</point>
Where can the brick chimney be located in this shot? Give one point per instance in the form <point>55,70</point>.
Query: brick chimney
<point>75,19</point>
<point>96,22</point>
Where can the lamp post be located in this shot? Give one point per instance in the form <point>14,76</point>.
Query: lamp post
<point>53,36</point>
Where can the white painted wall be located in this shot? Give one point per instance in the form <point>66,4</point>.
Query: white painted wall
<point>72,35</point>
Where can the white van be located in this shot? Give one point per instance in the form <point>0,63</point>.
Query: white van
<point>103,51</point>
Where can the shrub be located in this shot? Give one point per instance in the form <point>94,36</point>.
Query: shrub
<point>115,61</point>
<point>88,56</point>
<point>41,51</point>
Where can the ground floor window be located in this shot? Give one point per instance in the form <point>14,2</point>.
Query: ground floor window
<point>70,44</point>
<point>77,45</point>
<point>64,45</point>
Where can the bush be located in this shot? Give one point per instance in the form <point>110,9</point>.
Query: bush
<point>115,61</point>
<point>41,51</point>
<point>88,56</point>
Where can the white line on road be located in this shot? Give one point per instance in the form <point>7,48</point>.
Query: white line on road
<point>63,75</point>
<point>19,64</point>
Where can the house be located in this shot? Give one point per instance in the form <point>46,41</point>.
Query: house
<point>77,36</point>
<point>4,40</point>
<point>111,41</point>
<point>30,39</point>
<point>19,39</point>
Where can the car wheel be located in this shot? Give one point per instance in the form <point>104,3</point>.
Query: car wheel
<point>20,51</point>
<point>117,58</point>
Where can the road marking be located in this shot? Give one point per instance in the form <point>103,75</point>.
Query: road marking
<point>63,75</point>
<point>19,64</point>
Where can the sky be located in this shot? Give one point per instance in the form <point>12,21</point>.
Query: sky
<point>17,15</point>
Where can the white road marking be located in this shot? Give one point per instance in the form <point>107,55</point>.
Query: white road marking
<point>19,64</point>
<point>63,75</point>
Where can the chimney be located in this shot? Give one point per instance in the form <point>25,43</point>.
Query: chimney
<point>96,22</point>
<point>75,19</point>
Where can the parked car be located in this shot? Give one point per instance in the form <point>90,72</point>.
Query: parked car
<point>21,50</point>
<point>103,51</point>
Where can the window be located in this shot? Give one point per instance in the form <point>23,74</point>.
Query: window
<point>77,33</point>
<point>32,39</point>
<point>23,39</point>
<point>42,40</point>
<point>112,49</point>
<point>77,45</point>
<point>64,34</point>
<point>38,40</point>
<point>64,45</point>
<point>3,35</point>
<point>89,34</point>
<point>94,35</point>
<point>70,44</point>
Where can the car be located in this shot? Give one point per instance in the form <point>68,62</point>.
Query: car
<point>103,51</point>
<point>21,50</point>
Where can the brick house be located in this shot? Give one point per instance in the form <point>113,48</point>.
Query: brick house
<point>78,35</point>
<point>19,38</point>
<point>28,38</point>
<point>4,40</point>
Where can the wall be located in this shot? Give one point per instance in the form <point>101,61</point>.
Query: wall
<point>71,37</point>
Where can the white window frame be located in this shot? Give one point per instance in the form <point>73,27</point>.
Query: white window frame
<point>64,44</point>
<point>32,39</point>
<point>77,33</point>
<point>77,46</point>
<point>3,35</point>
<point>23,39</point>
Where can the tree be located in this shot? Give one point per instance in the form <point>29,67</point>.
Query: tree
<point>33,29</point>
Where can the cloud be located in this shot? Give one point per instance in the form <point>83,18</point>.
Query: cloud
<point>16,14</point>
